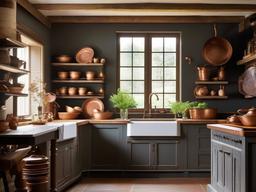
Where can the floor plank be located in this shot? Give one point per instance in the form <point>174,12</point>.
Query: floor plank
<point>141,185</point>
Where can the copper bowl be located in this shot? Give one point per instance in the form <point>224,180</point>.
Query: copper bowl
<point>63,58</point>
<point>206,113</point>
<point>72,90</point>
<point>62,75</point>
<point>74,75</point>
<point>102,115</point>
<point>67,115</point>
<point>90,75</point>
<point>247,120</point>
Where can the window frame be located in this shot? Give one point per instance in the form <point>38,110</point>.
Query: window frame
<point>148,62</point>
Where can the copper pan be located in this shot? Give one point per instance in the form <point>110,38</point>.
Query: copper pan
<point>217,50</point>
<point>206,113</point>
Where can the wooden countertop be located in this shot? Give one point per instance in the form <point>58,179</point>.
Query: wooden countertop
<point>200,121</point>
<point>93,121</point>
<point>234,129</point>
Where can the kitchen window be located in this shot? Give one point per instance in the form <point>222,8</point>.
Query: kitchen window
<point>149,63</point>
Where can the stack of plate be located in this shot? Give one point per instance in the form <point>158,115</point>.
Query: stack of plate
<point>35,172</point>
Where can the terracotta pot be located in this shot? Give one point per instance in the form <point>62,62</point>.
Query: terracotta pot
<point>63,58</point>
<point>62,75</point>
<point>82,90</point>
<point>72,90</point>
<point>96,60</point>
<point>102,115</point>
<point>206,113</point>
<point>74,75</point>
<point>90,75</point>
<point>63,90</point>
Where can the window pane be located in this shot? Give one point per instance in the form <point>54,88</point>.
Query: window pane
<point>138,73</point>
<point>157,73</point>
<point>157,44</point>
<point>170,86</point>
<point>125,73</point>
<point>138,86</point>
<point>169,44</point>
<point>125,59</point>
<point>126,86</point>
<point>138,44</point>
<point>138,59</point>
<point>157,59</point>
<point>125,44</point>
<point>139,98</point>
<point>157,86</point>
<point>170,73</point>
<point>169,98</point>
<point>159,103</point>
<point>170,59</point>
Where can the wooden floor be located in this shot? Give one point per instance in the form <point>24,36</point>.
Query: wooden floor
<point>141,185</point>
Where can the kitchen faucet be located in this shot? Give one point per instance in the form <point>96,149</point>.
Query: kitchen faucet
<point>150,104</point>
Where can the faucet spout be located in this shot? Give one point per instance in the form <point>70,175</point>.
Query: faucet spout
<point>150,102</point>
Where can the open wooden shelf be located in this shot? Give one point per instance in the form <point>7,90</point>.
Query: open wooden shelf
<point>78,81</point>
<point>14,94</point>
<point>211,82</point>
<point>211,97</point>
<point>10,43</point>
<point>79,96</point>
<point>247,60</point>
<point>77,64</point>
<point>12,69</point>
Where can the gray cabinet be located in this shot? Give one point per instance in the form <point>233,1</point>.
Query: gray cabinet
<point>198,139</point>
<point>154,154</point>
<point>107,146</point>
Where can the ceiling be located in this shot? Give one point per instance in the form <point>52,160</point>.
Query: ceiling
<point>145,7</point>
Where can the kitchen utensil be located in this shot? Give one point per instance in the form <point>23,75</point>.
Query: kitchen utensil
<point>85,55</point>
<point>69,109</point>
<point>248,119</point>
<point>90,105</point>
<point>63,58</point>
<point>234,119</point>
<point>90,93</point>
<point>96,60</point>
<point>4,125</point>
<point>203,73</point>
<point>2,113</point>
<point>101,90</point>
<point>221,74</point>
<point>74,75</point>
<point>16,88</point>
<point>248,82</point>
<point>77,108</point>
<point>67,115</point>
<point>102,115</point>
<point>82,90</point>
<point>203,113</point>
<point>201,90</point>
<point>102,60</point>
<point>13,121</point>
<point>213,93</point>
<point>101,75</point>
<point>63,90</point>
<point>72,90</point>
<point>217,50</point>
<point>90,75</point>
<point>16,62</point>
<point>221,91</point>
<point>62,75</point>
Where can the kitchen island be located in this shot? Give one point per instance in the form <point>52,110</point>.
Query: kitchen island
<point>233,157</point>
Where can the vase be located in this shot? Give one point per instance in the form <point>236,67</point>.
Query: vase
<point>40,112</point>
<point>124,113</point>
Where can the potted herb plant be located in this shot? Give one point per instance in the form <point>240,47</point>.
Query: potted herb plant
<point>200,110</point>
<point>123,101</point>
<point>179,108</point>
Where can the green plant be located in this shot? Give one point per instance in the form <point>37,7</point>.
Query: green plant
<point>123,100</point>
<point>179,107</point>
<point>196,104</point>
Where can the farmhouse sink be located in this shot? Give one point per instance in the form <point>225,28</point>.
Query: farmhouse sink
<point>67,130</point>
<point>152,128</point>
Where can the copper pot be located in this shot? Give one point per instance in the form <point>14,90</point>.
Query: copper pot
<point>82,90</point>
<point>201,90</point>
<point>62,75</point>
<point>74,75</point>
<point>102,115</point>
<point>63,90</point>
<point>203,73</point>
<point>203,113</point>
<point>248,119</point>
<point>72,90</point>
<point>234,119</point>
<point>90,75</point>
<point>63,58</point>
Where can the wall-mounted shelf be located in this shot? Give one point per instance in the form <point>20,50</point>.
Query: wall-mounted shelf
<point>211,97</point>
<point>11,43</point>
<point>78,81</point>
<point>12,69</point>
<point>77,64</point>
<point>14,94</point>
<point>247,60</point>
<point>211,82</point>
<point>79,96</point>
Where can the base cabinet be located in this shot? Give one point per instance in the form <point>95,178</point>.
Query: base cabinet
<point>154,154</point>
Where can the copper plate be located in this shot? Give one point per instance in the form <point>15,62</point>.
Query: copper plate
<point>90,105</point>
<point>248,85</point>
<point>85,55</point>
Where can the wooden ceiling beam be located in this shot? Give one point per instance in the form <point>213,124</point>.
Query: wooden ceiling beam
<point>150,6</point>
<point>146,19</point>
<point>34,12</point>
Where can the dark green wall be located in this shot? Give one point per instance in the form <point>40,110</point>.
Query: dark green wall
<point>69,38</point>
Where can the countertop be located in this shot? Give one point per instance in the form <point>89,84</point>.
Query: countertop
<point>233,129</point>
<point>201,121</point>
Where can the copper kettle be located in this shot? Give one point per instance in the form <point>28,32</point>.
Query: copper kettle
<point>203,73</point>
<point>249,118</point>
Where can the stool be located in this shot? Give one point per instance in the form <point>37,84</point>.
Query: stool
<point>10,163</point>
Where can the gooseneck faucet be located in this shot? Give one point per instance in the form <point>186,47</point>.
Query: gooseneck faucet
<point>150,102</point>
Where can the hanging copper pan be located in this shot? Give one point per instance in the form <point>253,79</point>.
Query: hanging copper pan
<point>217,50</point>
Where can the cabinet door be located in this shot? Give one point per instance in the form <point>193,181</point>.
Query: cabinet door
<point>59,165</point>
<point>218,170</point>
<point>166,155</point>
<point>75,163</point>
<point>199,146</point>
<point>140,154</point>
<point>228,169</point>
<point>237,173</point>
<point>107,147</point>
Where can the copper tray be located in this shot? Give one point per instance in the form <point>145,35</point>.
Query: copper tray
<point>90,105</point>
<point>85,55</point>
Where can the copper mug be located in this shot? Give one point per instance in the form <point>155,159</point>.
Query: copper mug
<point>203,73</point>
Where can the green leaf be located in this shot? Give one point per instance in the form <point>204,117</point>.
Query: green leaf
<point>123,100</point>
